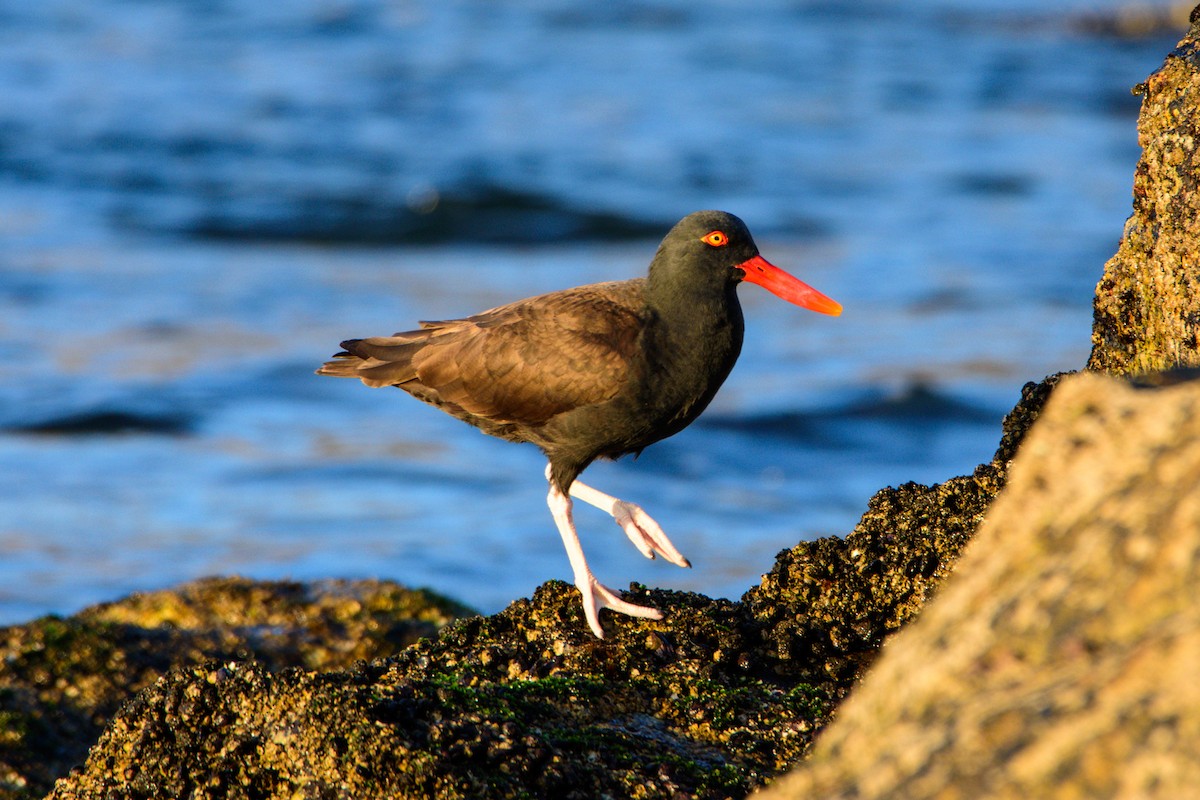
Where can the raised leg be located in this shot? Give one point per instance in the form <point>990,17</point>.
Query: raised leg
<point>646,534</point>
<point>595,594</point>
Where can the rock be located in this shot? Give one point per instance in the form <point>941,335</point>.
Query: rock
<point>61,680</point>
<point>1147,306</point>
<point>525,702</point>
<point>1061,658</point>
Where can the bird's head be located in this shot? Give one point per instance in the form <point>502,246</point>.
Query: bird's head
<point>708,247</point>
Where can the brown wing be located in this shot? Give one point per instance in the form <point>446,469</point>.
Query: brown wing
<point>520,363</point>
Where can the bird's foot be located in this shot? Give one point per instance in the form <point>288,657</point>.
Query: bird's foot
<point>646,534</point>
<point>597,596</point>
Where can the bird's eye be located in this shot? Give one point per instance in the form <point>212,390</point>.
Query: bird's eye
<point>715,239</point>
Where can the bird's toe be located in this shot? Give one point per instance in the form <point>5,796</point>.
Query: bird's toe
<point>597,596</point>
<point>646,534</point>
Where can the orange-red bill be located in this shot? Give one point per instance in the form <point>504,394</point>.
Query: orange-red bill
<point>785,287</point>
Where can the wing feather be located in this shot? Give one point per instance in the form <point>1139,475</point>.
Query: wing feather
<point>522,363</point>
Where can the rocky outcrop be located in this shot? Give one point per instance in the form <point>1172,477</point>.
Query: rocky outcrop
<point>1146,315</point>
<point>1060,661</point>
<point>61,680</point>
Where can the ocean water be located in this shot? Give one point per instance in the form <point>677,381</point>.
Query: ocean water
<point>198,201</point>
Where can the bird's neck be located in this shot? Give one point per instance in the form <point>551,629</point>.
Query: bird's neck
<point>693,338</point>
<point>689,309</point>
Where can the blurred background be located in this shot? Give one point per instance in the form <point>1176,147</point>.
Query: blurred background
<point>199,200</point>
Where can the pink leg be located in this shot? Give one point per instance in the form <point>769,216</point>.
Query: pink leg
<point>646,534</point>
<point>595,594</point>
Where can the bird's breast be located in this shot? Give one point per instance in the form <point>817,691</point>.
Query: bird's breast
<point>683,368</point>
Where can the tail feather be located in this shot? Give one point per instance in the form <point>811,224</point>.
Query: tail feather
<point>343,365</point>
<point>387,348</point>
<point>378,361</point>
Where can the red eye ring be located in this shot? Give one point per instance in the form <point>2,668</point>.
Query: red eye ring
<point>715,239</point>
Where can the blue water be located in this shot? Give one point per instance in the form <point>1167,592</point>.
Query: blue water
<point>199,200</point>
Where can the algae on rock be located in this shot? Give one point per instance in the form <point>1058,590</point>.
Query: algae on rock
<point>63,679</point>
<point>1060,660</point>
<point>1147,305</point>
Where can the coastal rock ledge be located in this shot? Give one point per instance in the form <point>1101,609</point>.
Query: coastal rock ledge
<point>1056,657</point>
<point>1060,660</point>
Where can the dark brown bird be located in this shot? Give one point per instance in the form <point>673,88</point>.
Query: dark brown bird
<point>597,371</point>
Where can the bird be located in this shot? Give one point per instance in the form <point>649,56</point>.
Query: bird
<point>592,372</point>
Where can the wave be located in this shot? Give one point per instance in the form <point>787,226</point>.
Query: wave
<point>484,214</point>
<point>102,422</point>
<point>916,405</point>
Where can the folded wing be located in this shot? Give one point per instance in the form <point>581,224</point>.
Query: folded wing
<point>521,363</point>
